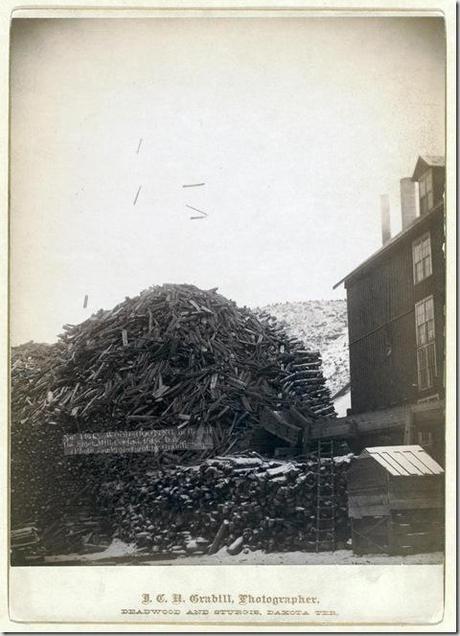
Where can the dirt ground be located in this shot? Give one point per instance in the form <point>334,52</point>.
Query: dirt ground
<point>122,554</point>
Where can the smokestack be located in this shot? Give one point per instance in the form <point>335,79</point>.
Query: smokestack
<point>409,201</point>
<point>385,211</point>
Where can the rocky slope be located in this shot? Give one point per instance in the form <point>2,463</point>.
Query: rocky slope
<point>323,325</point>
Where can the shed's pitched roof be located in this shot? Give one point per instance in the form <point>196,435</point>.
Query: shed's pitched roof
<point>404,461</point>
<point>427,161</point>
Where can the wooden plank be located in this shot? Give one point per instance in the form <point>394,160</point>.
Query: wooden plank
<point>274,422</point>
<point>425,515</point>
<point>350,426</point>
<point>407,530</point>
<point>363,500</point>
<point>370,535</point>
<point>345,428</point>
<point>365,474</point>
<point>368,505</point>
<point>302,420</point>
<point>380,421</point>
<point>409,504</point>
<point>435,407</point>
<point>359,512</point>
<point>415,488</point>
<point>415,542</point>
<point>338,429</point>
<point>408,426</point>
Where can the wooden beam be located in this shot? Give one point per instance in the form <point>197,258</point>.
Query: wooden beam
<point>276,422</point>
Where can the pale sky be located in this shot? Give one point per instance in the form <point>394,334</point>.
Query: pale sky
<point>297,126</point>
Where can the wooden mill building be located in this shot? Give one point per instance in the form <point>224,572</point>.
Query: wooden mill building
<point>396,325</point>
<point>396,321</point>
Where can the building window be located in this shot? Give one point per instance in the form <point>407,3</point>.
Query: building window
<point>426,192</point>
<point>426,348</point>
<point>421,257</point>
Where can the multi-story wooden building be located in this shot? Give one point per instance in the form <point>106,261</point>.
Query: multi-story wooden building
<point>396,322</point>
<point>396,316</point>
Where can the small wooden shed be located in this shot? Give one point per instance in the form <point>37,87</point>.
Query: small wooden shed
<point>395,501</point>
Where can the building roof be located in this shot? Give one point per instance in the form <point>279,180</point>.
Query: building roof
<point>404,461</point>
<point>391,243</point>
<point>424,162</point>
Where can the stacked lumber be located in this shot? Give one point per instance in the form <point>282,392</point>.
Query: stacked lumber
<point>174,356</point>
<point>79,529</point>
<point>25,545</point>
<point>303,382</point>
<point>31,366</point>
<point>32,440</point>
<point>24,537</point>
<point>242,502</point>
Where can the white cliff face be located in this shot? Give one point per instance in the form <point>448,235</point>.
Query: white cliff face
<point>322,325</point>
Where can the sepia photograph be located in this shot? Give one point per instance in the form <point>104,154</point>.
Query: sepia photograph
<point>228,293</point>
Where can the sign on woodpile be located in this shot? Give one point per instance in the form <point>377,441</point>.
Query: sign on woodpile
<point>120,442</point>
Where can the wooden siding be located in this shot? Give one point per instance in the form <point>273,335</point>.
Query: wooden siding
<point>406,493</point>
<point>434,286</point>
<point>393,514</point>
<point>381,322</point>
<point>439,178</point>
<point>402,532</point>
<point>368,480</point>
<point>366,477</point>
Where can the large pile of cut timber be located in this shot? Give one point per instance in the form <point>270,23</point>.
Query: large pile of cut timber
<point>176,355</point>
<point>239,502</point>
<point>171,358</point>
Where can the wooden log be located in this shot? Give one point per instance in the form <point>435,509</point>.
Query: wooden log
<point>219,538</point>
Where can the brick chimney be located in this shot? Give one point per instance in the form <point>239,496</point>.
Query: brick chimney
<point>409,201</point>
<point>385,212</point>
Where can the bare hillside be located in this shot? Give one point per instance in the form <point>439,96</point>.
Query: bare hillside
<point>322,324</point>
